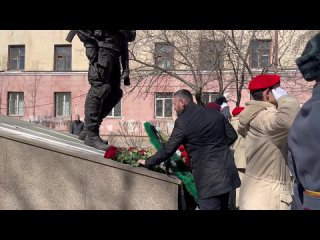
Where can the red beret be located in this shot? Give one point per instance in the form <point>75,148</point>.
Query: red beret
<point>263,81</point>
<point>237,110</point>
<point>213,105</point>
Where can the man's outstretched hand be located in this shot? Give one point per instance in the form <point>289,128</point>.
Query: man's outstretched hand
<point>142,162</point>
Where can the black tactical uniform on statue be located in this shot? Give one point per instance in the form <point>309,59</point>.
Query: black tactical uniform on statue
<point>103,51</point>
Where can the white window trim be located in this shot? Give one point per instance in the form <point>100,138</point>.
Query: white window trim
<point>64,105</point>
<point>17,104</point>
<point>211,94</point>
<point>163,106</point>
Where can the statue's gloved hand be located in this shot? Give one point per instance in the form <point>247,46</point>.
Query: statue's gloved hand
<point>125,74</point>
<point>127,81</point>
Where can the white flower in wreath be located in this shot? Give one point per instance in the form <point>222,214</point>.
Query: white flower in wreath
<point>178,153</point>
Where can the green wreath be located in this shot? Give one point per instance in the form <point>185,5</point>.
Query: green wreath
<point>175,163</point>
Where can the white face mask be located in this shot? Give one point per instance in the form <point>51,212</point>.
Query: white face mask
<point>278,92</point>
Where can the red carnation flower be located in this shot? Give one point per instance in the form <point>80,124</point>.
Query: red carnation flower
<point>184,155</point>
<point>111,152</point>
<point>131,149</point>
<point>121,149</point>
<point>142,152</point>
<point>181,148</point>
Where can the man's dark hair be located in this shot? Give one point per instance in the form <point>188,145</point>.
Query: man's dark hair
<point>185,94</point>
<point>257,95</point>
<point>221,99</point>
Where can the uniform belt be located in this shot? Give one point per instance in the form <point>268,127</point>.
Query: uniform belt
<point>311,200</point>
<point>312,193</point>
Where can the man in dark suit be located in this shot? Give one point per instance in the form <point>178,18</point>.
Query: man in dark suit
<point>76,126</point>
<point>202,132</point>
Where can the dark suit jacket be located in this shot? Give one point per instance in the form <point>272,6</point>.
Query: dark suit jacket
<point>76,127</point>
<point>202,131</point>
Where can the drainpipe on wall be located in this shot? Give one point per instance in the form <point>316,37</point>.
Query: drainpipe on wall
<point>276,49</point>
<point>1,93</point>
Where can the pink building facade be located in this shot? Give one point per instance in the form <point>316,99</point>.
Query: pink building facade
<point>54,98</point>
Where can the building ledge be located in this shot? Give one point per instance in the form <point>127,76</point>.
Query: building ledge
<point>42,73</point>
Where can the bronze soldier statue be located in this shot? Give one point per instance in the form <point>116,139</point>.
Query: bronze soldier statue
<point>103,50</point>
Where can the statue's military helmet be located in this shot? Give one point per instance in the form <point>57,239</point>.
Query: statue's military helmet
<point>309,62</point>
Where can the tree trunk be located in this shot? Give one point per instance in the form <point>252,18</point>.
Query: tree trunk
<point>199,97</point>
<point>239,90</point>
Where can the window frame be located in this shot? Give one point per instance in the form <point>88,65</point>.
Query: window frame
<point>163,56</point>
<point>260,51</point>
<point>10,47</point>
<point>163,105</point>
<point>55,105</point>
<point>217,60</point>
<point>17,114</point>
<point>55,61</point>
<point>212,96</point>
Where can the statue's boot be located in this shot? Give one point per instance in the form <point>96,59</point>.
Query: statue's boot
<point>93,139</point>
<point>84,133</point>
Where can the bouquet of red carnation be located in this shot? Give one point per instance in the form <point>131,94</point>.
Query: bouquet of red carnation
<point>127,156</point>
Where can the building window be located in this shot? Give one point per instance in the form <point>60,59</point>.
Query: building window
<point>62,104</point>
<point>164,55</point>
<point>163,105</point>
<point>209,97</point>
<point>260,53</point>
<point>15,103</point>
<point>211,55</point>
<point>116,111</point>
<point>62,57</point>
<point>16,57</point>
